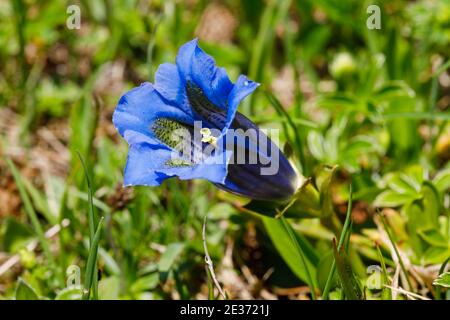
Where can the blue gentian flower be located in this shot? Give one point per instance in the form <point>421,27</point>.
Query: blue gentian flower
<point>158,121</point>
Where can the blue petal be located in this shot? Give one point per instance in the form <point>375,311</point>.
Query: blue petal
<point>221,87</point>
<point>143,160</point>
<point>197,66</point>
<point>171,87</point>
<point>203,69</point>
<point>212,80</point>
<point>147,165</point>
<point>242,88</point>
<point>214,169</point>
<point>247,179</point>
<point>184,58</point>
<point>135,137</point>
<point>139,107</point>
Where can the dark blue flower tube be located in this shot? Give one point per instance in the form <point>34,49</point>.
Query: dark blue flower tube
<point>187,125</point>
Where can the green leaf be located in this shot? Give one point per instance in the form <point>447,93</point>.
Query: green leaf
<point>315,145</point>
<point>39,201</point>
<point>324,179</point>
<point>169,256</point>
<point>390,198</point>
<point>109,288</point>
<point>431,204</point>
<point>69,294</point>
<point>391,90</point>
<point>438,292</point>
<point>435,255</point>
<point>433,237</point>
<point>110,264</point>
<point>442,180</point>
<point>399,184</point>
<point>415,222</point>
<point>332,137</point>
<point>287,250</point>
<point>323,270</point>
<point>145,283</point>
<point>221,211</point>
<point>443,280</point>
<point>25,292</point>
<point>414,175</point>
<point>343,100</point>
<point>360,145</point>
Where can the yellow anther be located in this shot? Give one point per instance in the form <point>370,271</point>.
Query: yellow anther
<point>207,137</point>
<point>205,132</point>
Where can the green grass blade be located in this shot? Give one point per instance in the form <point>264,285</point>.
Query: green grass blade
<point>151,47</point>
<point>34,219</point>
<point>386,292</point>
<point>290,232</point>
<point>210,285</point>
<point>298,142</point>
<point>20,11</point>
<point>345,228</point>
<point>400,260</point>
<point>292,59</point>
<point>91,219</point>
<point>274,12</point>
<point>349,282</point>
<point>444,116</point>
<point>441,69</point>
<point>91,267</point>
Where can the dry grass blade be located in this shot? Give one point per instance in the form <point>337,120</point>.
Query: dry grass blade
<point>209,262</point>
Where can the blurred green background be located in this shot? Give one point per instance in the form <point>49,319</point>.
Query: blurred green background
<point>373,102</point>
